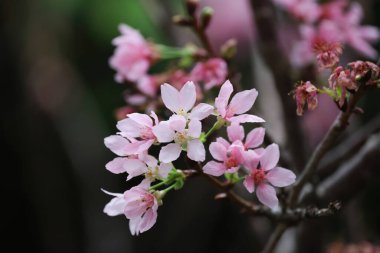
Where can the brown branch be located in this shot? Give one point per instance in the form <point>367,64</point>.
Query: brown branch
<point>275,238</point>
<point>347,148</point>
<point>278,63</point>
<point>353,174</point>
<point>331,136</point>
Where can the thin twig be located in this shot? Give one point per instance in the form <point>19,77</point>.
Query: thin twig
<point>274,238</point>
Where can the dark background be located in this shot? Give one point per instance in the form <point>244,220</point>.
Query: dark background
<point>58,103</point>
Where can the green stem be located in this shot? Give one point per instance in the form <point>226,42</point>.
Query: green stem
<point>218,124</point>
<point>168,189</point>
<point>154,187</point>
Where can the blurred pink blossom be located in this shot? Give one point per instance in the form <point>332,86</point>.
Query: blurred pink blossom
<point>132,56</point>
<point>212,72</point>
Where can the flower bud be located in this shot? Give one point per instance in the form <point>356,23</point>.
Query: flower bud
<point>182,21</point>
<point>228,49</point>
<point>206,15</point>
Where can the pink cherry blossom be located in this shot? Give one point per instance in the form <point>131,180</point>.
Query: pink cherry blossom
<point>182,101</point>
<point>139,126</point>
<point>211,72</point>
<point>148,85</point>
<point>305,92</point>
<point>264,175</point>
<point>230,157</point>
<point>240,103</point>
<point>254,138</point>
<point>139,206</point>
<point>185,138</point>
<point>133,55</point>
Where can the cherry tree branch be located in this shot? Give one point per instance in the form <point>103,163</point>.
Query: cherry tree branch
<point>353,174</point>
<point>331,136</point>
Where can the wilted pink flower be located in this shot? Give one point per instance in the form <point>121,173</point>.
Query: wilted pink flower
<point>181,102</point>
<point>139,206</point>
<point>305,92</point>
<point>304,10</point>
<point>263,175</point>
<point>132,56</point>
<point>212,72</point>
<point>230,157</point>
<point>254,138</point>
<point>341,78</point>
<point>240,103</point>
<point>185,138</point>
<point>328,53</point>
<point>143,164</point>
<point>361,68</point>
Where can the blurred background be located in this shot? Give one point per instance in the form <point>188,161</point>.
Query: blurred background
<point>59,102</point>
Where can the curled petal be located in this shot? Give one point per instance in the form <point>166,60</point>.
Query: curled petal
<point>246,118</point>
<point>142,119</point>
<point>116,166</point>
<point>119,145</point>
<point>134,168</point>
<point>129,128</point>
<point>177,122</point>
<point>115,206</point>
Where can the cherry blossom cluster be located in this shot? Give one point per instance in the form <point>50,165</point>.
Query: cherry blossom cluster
<point>239,158</point>
<point>134,56</point>
<point>342,82</point>
<point>324,27</point>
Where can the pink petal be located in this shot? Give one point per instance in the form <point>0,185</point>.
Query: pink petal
<point>116,165</point>
<point>149,160</point>
<point>117,144</point>
<point>281,177</point>
<point>222,141</point>
<point>370,33</point>
<point>115,206</point>
<point>255,138</point>
<point>143,145</point>
<point>243,101</point>
<point>218,151</point>
<point>137,70</point>
<point>187,96</point>
<point>249,184</point>
<point>142,119</point>
<point>134,168</point>
<point>134,225</point>
<point>214,168</point>
<point>177,123</point>
<point>129,128</point>
<point>170,97</point>
<point>251,159</point>
<point>267,195</point>
<point>246,118</point>
<point>224,95</point>
<point>163,132</point>
<point>148,220</point>
<point>164,169</point>
<point>170,152</point>
<point>195,128</point>
<point>201,111</point>
<point>270,157</point>
<point>196,150</point>
<point>235,132</point>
